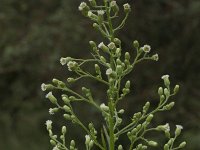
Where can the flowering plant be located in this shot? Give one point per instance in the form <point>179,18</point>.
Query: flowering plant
<point>110,69</point>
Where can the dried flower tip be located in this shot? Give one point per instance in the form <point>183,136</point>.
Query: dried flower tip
<point>127,8</point>
<point>146,48</point>
<point>49,124</point>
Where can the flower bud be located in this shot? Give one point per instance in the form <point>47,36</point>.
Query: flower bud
<point>71,80</point>
<point>182,145</point>
<point>128,84</point>
<point>72,143</point>
<point>93,2</point>
<point>149,118</point>
<point>109,71</point>
<point>66,108</point>
<point>127,8</point>
<point>127,56</point>
<point>162,98</point>
<point>121,111</point>
<point>153,143</point>
<point>166,92</point>
<point>117,41</point>
<point>96,26</point>
<point>119,69</point>
<point>91,143</point>
<point>169,106</point>
<point>92,44</point>
<point>160,91</point>
<point>66,99</point>
<point>102,59</point>
<point>67,116</point>
<point>176,89</point>
<point>120,147</point>
<point>53,143</point>
<point>136,44</point>
<point>146,107</point>
<point>64,130</point>
<point>166,147</point>
<point>118,52</point>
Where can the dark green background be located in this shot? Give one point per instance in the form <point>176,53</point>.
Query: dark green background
<point>34,34</point>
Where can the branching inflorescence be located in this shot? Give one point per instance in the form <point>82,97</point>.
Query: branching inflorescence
<point>110,69</point>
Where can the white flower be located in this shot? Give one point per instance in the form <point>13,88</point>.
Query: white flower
<point>146,48</point>
<point>167,127</point>
<point>164,77</point>
<point>155,57</point>
<point>56,148</point>
<point>111,45</point>
<point>49,124</point>
<point>101,12</point>
<point>127,6</point>
<point>82,6</point>
<point>63,61</point>
<point>109,71</point>
<point>104,107</point>
<point>101,45</point>
<point>71,65</point>
<point>87,139</point>
<point>49,95</point>
<point>179,127</point>
<point>43,87</point>
<point>113,3</point>
<point>90,14</point>
<point>51,111</point>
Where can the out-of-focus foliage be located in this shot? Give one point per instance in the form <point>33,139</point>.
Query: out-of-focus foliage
<point>34,34</point>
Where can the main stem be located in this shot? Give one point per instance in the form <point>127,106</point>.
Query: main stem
<point>111,103</point>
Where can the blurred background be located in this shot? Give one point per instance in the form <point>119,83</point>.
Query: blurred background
<point>34,34</point>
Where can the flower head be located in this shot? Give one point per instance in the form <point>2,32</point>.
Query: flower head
<point>51,111</point>
<point>56,148</point>
<point>164,77</point>
<point>43,87</point>
<point>109,71</point>
<point>146,48</point>
<point>82,6</point>
<point>72,65</point>
<point>49,124</point>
